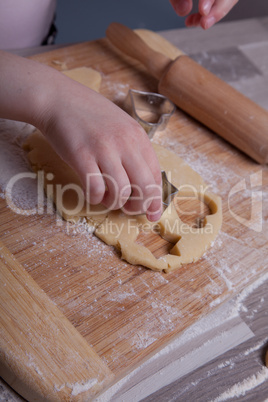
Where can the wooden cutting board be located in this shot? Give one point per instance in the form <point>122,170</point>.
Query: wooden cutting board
<point>74,317</point>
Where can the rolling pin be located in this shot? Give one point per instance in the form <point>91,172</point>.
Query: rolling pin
<point>201,94</point>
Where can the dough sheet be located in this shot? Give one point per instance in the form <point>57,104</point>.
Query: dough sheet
<point>63,186</point>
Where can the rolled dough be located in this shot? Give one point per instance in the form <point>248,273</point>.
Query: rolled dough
<point>115,228</point>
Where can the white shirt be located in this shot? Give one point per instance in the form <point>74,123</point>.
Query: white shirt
<point>25,23</point>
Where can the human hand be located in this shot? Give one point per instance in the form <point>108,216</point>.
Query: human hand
<point>109,150</point>
<point>210,11</point>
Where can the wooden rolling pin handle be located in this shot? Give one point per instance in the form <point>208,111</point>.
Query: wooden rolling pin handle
<point>218,106</point>
<point>201,94</point>
<point>132,45</point>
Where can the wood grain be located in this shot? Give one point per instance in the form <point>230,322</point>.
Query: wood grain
<point>43,355</point>
<point>127,313</point>
<point>238,374</point>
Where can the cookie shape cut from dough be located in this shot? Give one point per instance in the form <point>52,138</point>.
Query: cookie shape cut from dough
<point>190,243</point>
<point>115,228</point>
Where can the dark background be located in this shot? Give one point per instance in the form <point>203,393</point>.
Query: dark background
<point>82,20</point>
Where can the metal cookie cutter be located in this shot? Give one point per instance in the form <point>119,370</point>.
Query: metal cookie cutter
<point>168,190</point>
<point>150,109</point>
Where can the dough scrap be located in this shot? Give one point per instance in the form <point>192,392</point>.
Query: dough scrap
<point>86,76</point>
<point>63,186</point>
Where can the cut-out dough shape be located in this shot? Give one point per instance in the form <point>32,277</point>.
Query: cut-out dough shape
<point>119,230</point>
<point>189,243</point>
<point>86,76</point>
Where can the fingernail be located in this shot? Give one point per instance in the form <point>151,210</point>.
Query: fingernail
<point>206,8</point>
<point>154,217</point>
<point>209,22</point>
<point>182,8</point>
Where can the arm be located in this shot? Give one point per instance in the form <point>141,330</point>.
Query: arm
<point>102,143</point>
<point>210,11</point>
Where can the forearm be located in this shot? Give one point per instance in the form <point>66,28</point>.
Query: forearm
<point>25,88</point>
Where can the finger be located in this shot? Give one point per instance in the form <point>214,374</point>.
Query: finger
<point>155,209</point>
<point>205,6</point>
<point>142,182</point>
<point>152,161</point>
<point>89,174</point>
<point>218,11</point>
<point>145,176</point>
<point>149,201</point>
<point>153,205</point>
<point>92,180</point>
<point>118,188</point>
<point>182,7</point>
<point>193,20</point>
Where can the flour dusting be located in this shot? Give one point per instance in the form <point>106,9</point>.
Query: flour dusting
<point>241,388</point>
<point>13,162</point>
<point>120,296</point>
<point>224,313</point>
<point>78,388</point>
<point>143,339</point>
